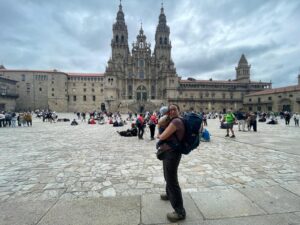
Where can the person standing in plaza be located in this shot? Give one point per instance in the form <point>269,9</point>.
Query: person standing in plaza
<point>140,125</point>
<point>2,119</point>
<point>241,120</point>
<point>152,124</point>
<point>13,119</point>
<point>296,119</point>
<point>173,133</point>
<point>287,117</point>
<point>229,118</point>
<point>253,121</point>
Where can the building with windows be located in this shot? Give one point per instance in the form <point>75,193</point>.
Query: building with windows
<point>8,94</point>
<point>276,99</point>
<point>134,80</point>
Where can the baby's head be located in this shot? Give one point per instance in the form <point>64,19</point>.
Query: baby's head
<point>164,110</point>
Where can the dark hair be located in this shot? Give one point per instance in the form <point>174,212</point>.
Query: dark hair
<point>177,106</point>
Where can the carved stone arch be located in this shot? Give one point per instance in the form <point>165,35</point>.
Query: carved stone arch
<point>285,104</point>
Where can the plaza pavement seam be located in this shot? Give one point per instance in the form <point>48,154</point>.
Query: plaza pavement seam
<point>242,217</point>
<point>196,206</point>
<point>289,190</point>
<point>270,149</point>
<point>252,201</point>
<point>50,207</point>
<point>141,208</point>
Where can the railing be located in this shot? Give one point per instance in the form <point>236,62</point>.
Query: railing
<point>205,99</point>
<point>9,95</point>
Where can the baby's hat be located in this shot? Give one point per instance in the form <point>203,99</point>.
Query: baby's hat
<point>163,110</point>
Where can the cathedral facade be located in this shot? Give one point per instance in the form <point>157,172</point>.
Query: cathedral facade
<point>135,79</point>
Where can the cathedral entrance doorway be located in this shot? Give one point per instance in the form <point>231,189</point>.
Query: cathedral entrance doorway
<point>103,107</point>
<point>142,108</point>
<point>141,93</point>
<point>285,105</point>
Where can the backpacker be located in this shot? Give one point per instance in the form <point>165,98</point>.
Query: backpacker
<point>138,123</point>
<point>191,140</point>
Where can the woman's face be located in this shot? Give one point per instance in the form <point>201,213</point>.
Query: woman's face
<point>173,111</point>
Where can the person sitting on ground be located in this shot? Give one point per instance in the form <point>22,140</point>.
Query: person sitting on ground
<point>92,121</point>
<point>129,132</point>
<point>273,121</point>
<point>74,122</point>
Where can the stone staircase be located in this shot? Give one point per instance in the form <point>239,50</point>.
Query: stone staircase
<point>141,107</point>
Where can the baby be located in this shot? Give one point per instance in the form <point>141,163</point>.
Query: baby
<point>162,124</point>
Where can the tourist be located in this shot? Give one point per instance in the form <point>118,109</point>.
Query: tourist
<point>152,124</point>
<point>241,120</point>
<point>287,117</point>
<point>13,119</point>
<point>174,133</point>
<point>229,118</point>
<point>253,122</point>
<point>74,123</point>
<point>296,119</point>
<point>140,125</point>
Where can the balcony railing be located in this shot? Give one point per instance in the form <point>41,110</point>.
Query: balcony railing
<point>9,95</point>
<point>205,99</point>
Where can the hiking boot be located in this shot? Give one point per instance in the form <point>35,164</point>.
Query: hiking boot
<point>164,197</point>
<point>174,217</point>
<point>232,136</point>
<point>227,135</point>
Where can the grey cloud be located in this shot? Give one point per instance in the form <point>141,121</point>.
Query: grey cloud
<point>208,37</point>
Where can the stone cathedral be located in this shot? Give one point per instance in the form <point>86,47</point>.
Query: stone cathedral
<point>136,79</point>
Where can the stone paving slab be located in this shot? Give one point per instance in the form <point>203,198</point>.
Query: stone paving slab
<point>154,210</point>
<point>133,210</point>
<point>23,213</point>
<point>102,211</point>
<point>273,199</point>
<point>227,203</point>
<point>276,219</point>
<point>295,188</point>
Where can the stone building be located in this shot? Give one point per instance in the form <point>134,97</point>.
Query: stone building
<point>134,80</point>
<point>8,94</point>
<point>276,99</point>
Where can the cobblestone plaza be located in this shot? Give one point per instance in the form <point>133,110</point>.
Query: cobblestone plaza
<point>51,162</point>
<point>61,161</point>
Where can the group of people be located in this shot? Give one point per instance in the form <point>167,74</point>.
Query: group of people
<point>13,119</point>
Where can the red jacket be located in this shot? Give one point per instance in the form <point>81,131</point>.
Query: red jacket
<point>153,119</point>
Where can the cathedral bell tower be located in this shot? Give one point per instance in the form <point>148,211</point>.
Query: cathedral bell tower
<point>243,70</point>
<point>162,49</point>
<point>119,42</point>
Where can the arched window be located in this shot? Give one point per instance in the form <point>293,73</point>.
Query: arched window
<point>117,38</point>
<point>122,38</point>
<point>160,40</point>
<point>166,40</point>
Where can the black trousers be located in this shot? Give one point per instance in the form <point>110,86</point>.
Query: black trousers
<point>173,191</point>
<point>141,132</point>
<point>254,125</point>
<point>152,130</point>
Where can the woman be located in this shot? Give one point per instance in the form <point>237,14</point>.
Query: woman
<point>173,133</point>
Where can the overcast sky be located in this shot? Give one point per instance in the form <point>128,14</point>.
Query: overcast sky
<point>208,37</point>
